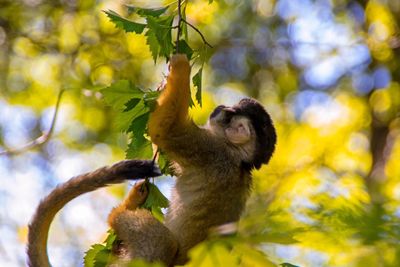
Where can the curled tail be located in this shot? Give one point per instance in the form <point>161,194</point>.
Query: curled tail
<point>76,186</point>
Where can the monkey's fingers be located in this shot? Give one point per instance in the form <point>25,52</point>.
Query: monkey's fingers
<point>136,169</point>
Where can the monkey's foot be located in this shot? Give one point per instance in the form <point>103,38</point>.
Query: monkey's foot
<point>137,196</point>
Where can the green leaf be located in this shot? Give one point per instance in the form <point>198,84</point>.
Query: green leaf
<point>144,12</point>
<point>150,99</point>
<point>197,83</point>
<point>155,198</point>
<point>90,255</point>
<point>155,201</point>
<point>161,28</point>
<point>164,164</point>
<point>183,48</point>
<point>102,258</point>
<point>120,92</point>
<point>157,213</point>
<point>139,147</point>
<point>138,125</point>
<point>125,24</point>
<point>153,44</point>
<point>110,239</point>
<point>131,104</point>
<point>123,120</point>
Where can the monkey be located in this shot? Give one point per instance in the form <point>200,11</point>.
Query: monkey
<point>212,163</point>
<point>76,186</point>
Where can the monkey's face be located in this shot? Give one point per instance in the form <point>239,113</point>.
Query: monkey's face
<point>225,122</point>
<point>247,126</point>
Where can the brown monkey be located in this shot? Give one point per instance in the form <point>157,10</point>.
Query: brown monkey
<point>76,186</point>
<point>213,166</point>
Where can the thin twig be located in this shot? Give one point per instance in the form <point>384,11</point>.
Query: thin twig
<point>178,34</point>
<point>41,140</point>
<point>198,31</point>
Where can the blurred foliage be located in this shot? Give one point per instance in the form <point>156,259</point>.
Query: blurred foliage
<point>327,71</point>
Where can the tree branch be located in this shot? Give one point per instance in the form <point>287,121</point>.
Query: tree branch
<point>41,140</point>
<point>198,31</point>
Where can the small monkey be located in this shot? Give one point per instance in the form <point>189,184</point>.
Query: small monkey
<point>213,166</point>
<point>76,186</point>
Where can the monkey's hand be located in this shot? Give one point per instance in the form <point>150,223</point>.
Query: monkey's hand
<point>135,169</point>
<point>137,196</point>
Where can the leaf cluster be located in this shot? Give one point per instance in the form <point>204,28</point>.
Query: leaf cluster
<point>133,106</point>
<point>158,32</point>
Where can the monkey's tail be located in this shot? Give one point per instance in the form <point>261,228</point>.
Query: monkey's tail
<point>76,186</point>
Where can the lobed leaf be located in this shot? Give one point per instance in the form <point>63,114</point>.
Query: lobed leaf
<point>125,24</point>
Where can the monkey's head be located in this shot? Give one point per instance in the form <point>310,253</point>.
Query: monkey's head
<point>247,126</point>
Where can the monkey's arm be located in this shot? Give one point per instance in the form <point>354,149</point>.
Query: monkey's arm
<point>171,113</point>
<point>170,126</point>
<point>76,186</point>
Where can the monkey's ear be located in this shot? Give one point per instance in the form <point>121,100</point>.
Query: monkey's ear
<point>238,131</point>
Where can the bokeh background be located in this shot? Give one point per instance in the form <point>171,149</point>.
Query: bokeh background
<point>326,70</point>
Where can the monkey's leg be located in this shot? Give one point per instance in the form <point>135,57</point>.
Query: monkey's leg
<point>142,235</point>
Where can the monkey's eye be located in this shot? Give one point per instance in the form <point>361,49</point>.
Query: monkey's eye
<point>216,111</point>
<point>228,117</point>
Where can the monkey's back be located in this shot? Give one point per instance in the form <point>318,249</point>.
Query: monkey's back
<point>204,197</point>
